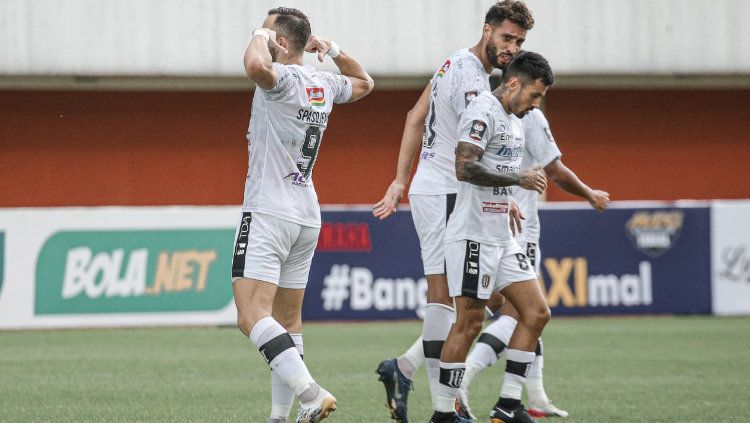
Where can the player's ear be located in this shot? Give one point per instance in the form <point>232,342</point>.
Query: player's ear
<point>283,42</point>
<point>514,83</point>
<point>486,31</point>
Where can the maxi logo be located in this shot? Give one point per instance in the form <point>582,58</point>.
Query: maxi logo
<point>594,290</point>
<point>134,271</point>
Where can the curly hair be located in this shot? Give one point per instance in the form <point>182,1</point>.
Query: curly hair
<point>512,10</point>
<point>293,25</point>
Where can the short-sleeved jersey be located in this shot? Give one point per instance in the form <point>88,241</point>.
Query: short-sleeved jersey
<point>286,128</point>
<point>540,150</point>
<point>481,213</point>
<point>461,78</point>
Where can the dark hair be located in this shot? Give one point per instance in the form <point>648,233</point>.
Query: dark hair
<point>529,66</point>
<point>512,10</point>
<point>293,25</point>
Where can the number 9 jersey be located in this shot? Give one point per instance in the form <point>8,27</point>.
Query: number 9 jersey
<point>286,128</point>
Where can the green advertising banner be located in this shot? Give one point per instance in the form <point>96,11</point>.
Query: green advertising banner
<point>134,271</point>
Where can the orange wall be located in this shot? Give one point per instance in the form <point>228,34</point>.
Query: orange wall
<point>63,148</point>
<point>654,144</point>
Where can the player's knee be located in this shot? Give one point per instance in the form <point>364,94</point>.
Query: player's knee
<point>541,316</point>
<point>244,324</point>
<point>291,320</point>
<point>469,327</point>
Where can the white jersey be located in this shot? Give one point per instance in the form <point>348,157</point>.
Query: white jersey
<point>461,78</point>
<point>481,213</point>
<point>540,150</point>
<point>286,127</point>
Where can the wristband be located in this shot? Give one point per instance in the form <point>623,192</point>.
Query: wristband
<point>334,51</point>
<point>261,32</point>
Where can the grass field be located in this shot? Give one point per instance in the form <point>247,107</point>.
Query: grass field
<point>644,369</point>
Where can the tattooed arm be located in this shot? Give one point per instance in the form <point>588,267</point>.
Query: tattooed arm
<point>470,169</point>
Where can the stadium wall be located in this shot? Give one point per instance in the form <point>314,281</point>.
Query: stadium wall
<point>136,266</point>
<point>91,148</point>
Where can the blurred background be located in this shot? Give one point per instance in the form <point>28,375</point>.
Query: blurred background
<point>128,104</point>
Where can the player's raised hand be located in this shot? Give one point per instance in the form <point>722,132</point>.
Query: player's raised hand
<point>533,180</point>
<point>318,45</point>
<point>599,199</point>
<point>387,206</point>
<point>515,218</point>
<point>272,43</point>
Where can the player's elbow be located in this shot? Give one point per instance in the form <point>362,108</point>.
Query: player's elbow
<point>462,173</point>
<point>369,85</point>
<point>255,69</point>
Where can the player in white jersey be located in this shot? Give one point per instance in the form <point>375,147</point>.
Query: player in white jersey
<point>481,254</point>
<point>540,151</point>
<point>433,189</point>
<point>278,231</point>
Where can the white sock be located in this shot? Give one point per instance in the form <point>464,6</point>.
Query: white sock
<point>277,347</point>
<point>491,344</point>
<point>282,396</point>
<point>472,369</point>
<point>516,368</point>
<point>451,375</point>
<point>502,329</point>
<point>412,359</point>
<point>535,381</point>
<point>438,319</point>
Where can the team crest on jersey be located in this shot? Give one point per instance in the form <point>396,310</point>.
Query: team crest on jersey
<point>469,96</point>
<point>655,232</point>
<point>443,69</point>
<point>485,281</point>
<point>477,130</point>
<point>316,96</point>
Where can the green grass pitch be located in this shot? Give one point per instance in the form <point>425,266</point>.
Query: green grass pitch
<point>642,369</point>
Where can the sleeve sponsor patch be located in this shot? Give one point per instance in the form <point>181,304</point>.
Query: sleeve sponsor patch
<point>468,96</point>
<point>477,130</point>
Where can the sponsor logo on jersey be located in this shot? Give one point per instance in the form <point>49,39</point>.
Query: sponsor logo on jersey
<point>349,237</point>
<point>493,207</point>
<point>654,233</point>
<point>469,96</point>
<point>298,179</point>
<point>443,69</point>
<point>510,152</point>
<point>426,155</point>
<point>309,116</point>
<point>133,271</point>
<point>477,130</point>
<point>316,96</point>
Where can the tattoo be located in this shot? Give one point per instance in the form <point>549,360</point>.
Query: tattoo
<point>475,303</point>
<point>469,169</point>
